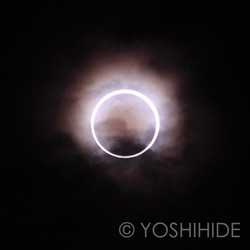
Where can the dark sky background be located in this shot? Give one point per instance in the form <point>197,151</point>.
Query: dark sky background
<point>57,199</point>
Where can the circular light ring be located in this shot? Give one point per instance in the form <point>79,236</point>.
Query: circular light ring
<point>129,92</point>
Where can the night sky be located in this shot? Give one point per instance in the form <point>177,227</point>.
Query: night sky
<point>60,193</point>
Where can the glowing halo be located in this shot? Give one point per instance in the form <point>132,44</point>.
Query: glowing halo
<point>130,92</point>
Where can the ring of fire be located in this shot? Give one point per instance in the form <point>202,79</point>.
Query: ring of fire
<point>128,92</point>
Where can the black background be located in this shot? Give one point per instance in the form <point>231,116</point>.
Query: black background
<point>67,203</point>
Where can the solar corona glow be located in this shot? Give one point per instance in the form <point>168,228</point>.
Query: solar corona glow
<point>126,92</point>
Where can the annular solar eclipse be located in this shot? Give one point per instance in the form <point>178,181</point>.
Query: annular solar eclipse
<point>119,107</point>
<point>126,92</point>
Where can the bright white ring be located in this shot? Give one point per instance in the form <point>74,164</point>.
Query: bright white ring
<point>129,92</point>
